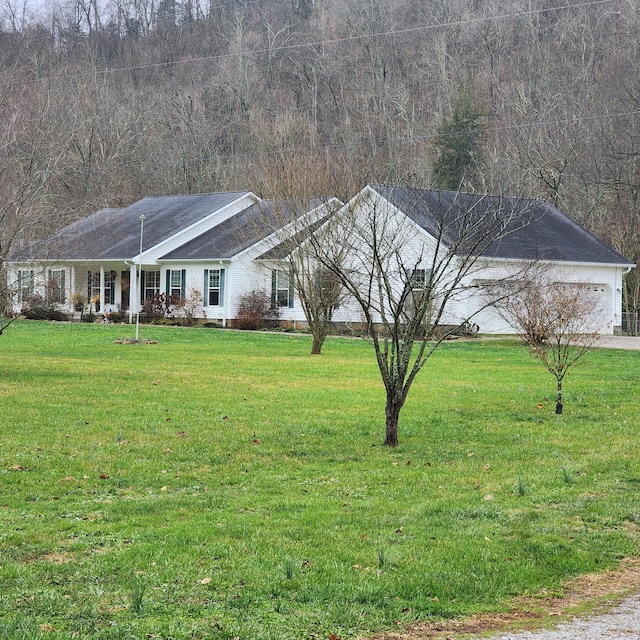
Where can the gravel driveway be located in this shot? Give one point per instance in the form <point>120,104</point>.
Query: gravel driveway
<point>620,342</point>
<point>621,623</point>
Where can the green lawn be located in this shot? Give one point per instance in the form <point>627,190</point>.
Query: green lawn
<point>226,485</point>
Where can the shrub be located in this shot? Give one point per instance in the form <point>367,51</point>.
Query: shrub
<point>35,307</point>
<point>155,307</point>
<point>44,313</point>
<point>169,321</point>
<point>32,302</point>
<point>191,307</point>
<point>254,310</point>
<point>78,300</point>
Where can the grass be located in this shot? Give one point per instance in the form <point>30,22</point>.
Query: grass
<point>223,485</point>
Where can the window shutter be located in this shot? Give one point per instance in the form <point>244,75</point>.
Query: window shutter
<point>141,286</point>
<point>290,289</point>
<point>221,299</point>
<point>183,283</point>
<point>168,289</point>
<point>274,290</point>
<point>205,288</point>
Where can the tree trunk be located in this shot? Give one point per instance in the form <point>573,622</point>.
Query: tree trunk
<point>393,414</point>
<point>559,397</point>
<point>316,347</point>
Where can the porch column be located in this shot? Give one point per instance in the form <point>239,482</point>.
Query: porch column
<point>102,288</point>
<point>224,279</point>
<point>72,281</point>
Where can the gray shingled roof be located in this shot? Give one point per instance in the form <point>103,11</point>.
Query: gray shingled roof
<point>283,248</point>
<point>532,229</point>
<point>114,234</point>
<point>243,230</point>
<point>515,228</point>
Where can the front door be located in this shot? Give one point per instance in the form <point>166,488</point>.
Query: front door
<point>125,288</point>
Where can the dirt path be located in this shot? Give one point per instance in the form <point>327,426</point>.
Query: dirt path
<point>594,607</point>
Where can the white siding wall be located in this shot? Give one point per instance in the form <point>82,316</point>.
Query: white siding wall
<point>40,278</point>
<point>606,281</point>
<point>241,276</point>
<point>418,245</point>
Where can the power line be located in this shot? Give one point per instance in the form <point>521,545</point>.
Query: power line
<point>336,41</point>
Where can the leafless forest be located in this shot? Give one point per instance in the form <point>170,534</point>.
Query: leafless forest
<point>106,101</point>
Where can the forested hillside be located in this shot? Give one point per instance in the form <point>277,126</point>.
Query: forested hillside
<point>106,101</point>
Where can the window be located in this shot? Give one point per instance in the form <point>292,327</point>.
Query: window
<point>281,289</point>
<point>55,293</point>
<point>214,287</point>
<point>150,284</point>
<point>176,279</point>
<point>25,285</point>
<point>418,297</point>
<point>419,278</point>
<point>175,290</point>
<point>109,287</point>
<point>93,287</point>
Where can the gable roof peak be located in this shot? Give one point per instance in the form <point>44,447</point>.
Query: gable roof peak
<point>511,227</point>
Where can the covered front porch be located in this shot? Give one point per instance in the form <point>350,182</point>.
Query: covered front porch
<point>73,287</point>
<point>119,287</point>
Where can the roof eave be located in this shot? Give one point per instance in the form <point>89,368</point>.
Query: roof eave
<point>573,263</point>
<point>191,260</point>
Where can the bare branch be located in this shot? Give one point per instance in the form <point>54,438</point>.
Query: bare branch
<point>559,321</point>
<point>407,262</point>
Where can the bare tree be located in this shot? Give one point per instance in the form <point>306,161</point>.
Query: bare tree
<point>7,291</point>
<point>15,15</point>
<point>291,223</point>
<point>411,273</point>
<point>318,290</point>
<point>303,189</point>
<point>29,157</point>
<point>560,322</point>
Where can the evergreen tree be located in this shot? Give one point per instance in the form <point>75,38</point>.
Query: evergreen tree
<point>459,141</point>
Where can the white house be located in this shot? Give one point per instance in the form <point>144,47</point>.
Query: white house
<point>223,245</point>
<point>174,245</point>
<point>485,241</point>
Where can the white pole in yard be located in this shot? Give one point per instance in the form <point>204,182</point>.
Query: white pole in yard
<point>138,289</point>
